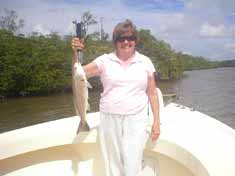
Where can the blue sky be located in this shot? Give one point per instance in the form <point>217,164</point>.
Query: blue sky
<point>197,27</point>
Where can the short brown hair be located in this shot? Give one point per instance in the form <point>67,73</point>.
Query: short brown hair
<point>123,27</point>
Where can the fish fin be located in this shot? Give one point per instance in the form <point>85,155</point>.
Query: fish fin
<point>88,106</point>
<point>75,65</point>
<point>89,85</point>
<point>79,71</point>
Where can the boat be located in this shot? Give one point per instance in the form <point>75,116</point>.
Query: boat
<point>191,144</point>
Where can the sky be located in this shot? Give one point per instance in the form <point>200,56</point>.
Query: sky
<point>197,27</point>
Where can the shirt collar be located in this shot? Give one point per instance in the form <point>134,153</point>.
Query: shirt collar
<point>134,59</point>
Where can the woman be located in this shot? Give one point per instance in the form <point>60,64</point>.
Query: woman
<point>128,85</point>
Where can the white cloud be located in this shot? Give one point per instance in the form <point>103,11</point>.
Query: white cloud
<point>40,29</point>
<point>172,22</point>
<point>208,30</point>
<point>200,27</point>
<point>186,52</point>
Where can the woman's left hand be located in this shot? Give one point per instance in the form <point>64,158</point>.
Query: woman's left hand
<point>155,131</point>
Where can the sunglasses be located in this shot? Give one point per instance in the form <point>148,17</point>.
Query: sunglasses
<point>130,38</point>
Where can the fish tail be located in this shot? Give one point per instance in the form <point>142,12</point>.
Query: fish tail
<point>83,126</point>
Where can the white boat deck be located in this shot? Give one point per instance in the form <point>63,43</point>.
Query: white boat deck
<point>208,140</point>
<point>191,143</point>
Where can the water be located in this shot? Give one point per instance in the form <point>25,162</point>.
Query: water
<point>209,91</point>
<point>21,112</point>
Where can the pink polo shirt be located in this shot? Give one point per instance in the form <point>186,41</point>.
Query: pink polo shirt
<point>124,84</point>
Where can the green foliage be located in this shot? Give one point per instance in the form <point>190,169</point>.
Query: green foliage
<point>94,48</point>
<point>33,65</point>
<point>196,63</point>
<point>168,64</point>
<point>227,63</point>
<point>42,64</point>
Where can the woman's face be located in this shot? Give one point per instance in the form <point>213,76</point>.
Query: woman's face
<point>125,45</point>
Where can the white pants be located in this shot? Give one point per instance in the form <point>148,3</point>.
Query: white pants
<point>122,141</point>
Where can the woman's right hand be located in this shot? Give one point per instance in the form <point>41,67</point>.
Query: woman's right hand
<point>77,44</point>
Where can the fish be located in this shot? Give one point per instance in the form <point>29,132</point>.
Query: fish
<point>80,87</point>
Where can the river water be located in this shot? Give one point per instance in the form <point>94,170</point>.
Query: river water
<point>209,91</point>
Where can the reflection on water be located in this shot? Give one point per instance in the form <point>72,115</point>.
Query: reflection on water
<point>21,112</point>
<point>209,91</point>
<point>25,111</point>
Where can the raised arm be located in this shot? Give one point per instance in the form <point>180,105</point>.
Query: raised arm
<point>90,69</point>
